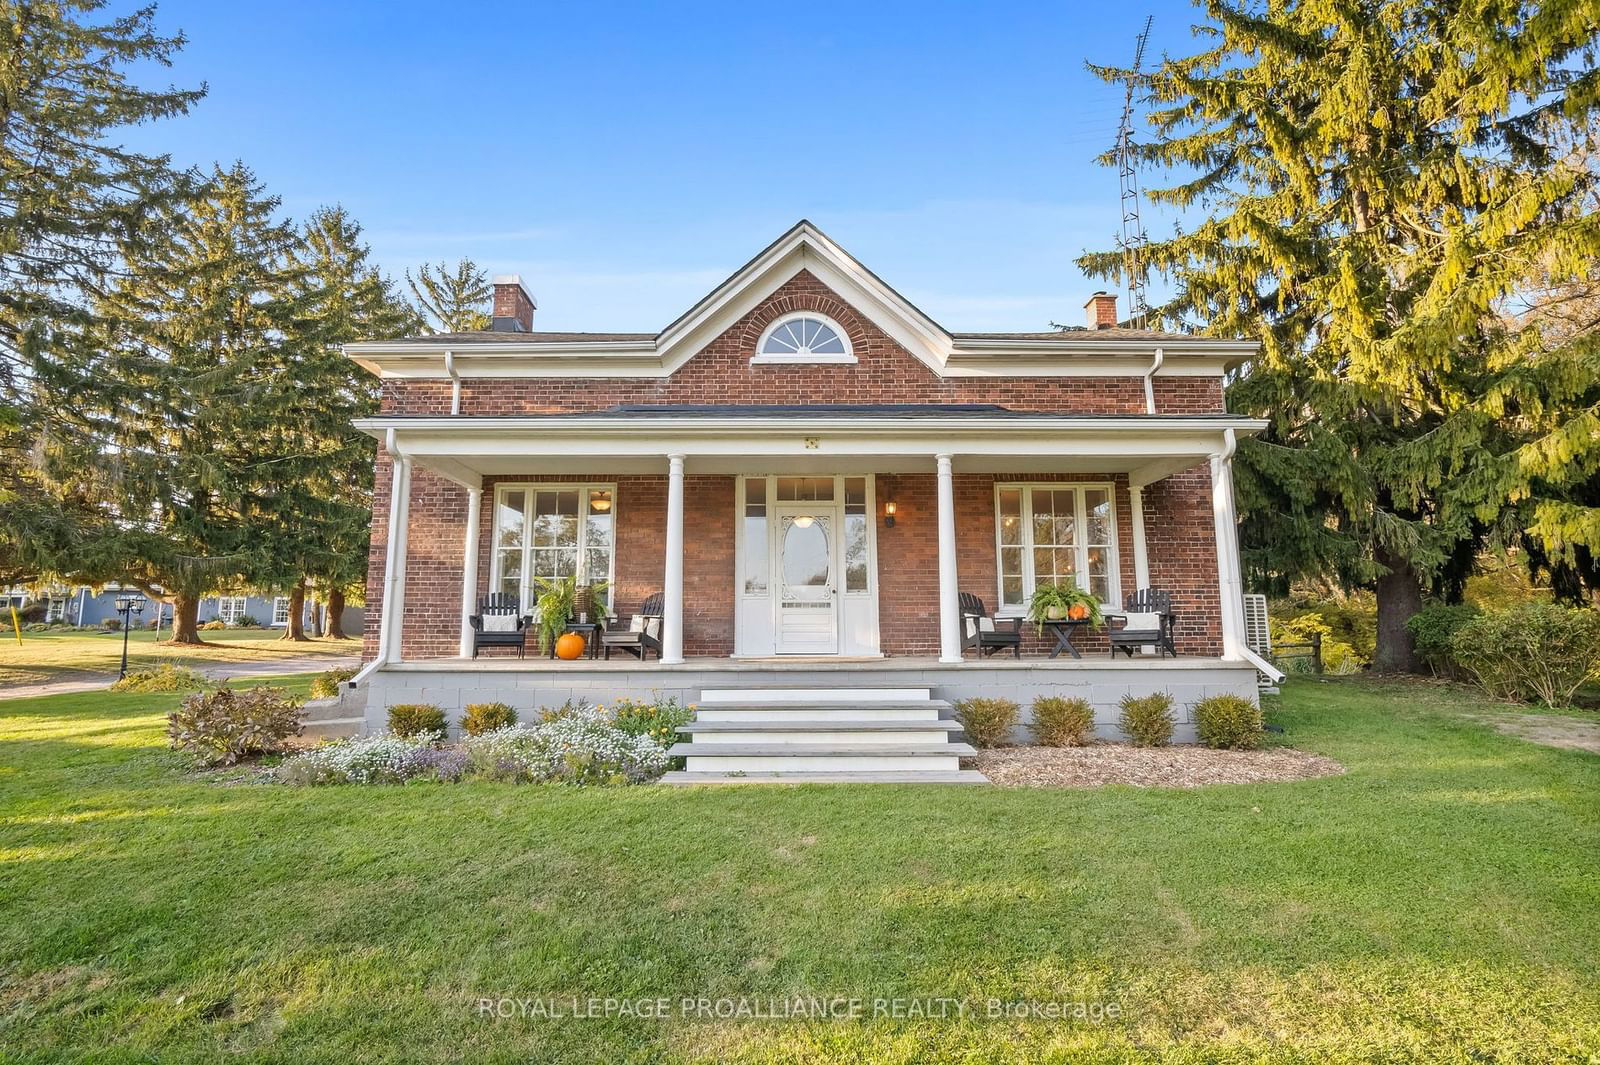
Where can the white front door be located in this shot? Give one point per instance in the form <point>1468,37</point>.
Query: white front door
<point>805,573</point>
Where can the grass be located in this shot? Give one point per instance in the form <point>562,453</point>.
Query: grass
<point>1436,903</point>
<point>44,656</point>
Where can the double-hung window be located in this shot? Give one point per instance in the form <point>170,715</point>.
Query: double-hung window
<point>230,608</point>
<point>280,611</point>
<point>565,530</point>
<point>1055,534</point>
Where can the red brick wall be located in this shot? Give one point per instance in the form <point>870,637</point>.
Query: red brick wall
<point>1180,542</point>
<point>885,373</point>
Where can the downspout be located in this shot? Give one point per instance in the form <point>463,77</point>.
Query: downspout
<point>392,449</point>
<point>1149,383</point>
<point>1230,445</point>
<point>455,382</point>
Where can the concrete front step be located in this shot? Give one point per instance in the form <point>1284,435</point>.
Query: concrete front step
<point>820,757</point>
<point>336,728</point>
<point>854,696</point>
<point>959,776</point>
<point>719,733</point>
<point>824,710</point>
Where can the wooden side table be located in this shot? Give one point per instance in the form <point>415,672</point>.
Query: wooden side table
<point>1063,630</point>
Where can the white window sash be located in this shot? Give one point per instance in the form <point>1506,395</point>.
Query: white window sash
<point>530,489</point>
<point>1080,544</point>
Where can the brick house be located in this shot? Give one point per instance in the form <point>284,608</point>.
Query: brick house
<point>810,472</point>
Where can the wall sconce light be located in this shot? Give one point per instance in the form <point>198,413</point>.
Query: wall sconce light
<point>888,515</point>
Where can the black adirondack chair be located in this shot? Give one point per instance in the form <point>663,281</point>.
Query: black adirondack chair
<point>1144,601</point>
<point>641,635</point>
<point>499,604</point>
<point>980,630</point>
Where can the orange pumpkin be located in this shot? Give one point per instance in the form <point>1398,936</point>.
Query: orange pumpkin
<point>1077,612</point>
<point>569,645</point>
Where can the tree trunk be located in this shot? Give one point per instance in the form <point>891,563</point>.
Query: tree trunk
<point>295,629</point>
<point>1399,597</point>
<point>336,614</point>
<point>185,618</point>
<point>316,617</point>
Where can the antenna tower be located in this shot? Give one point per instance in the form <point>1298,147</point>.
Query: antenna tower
<point>1132,241</point>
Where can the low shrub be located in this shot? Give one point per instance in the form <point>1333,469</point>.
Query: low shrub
<point>659,720</point>
<point>213,626</point>
<point>163,677</point>
<point>114,624</point>
<point>1229,722</point>
<point>1147,719</point>
<point>582,747</point>
<point>325,685</point>
<point>222,726</point>
<point>486,717</point>
<point>988,721</point>
<point>1062,722</point>
<point>1433,631</point>
<point>413,719</point>
<point>1536,651</point>
<point>247,622</point>
<point>380,759</point>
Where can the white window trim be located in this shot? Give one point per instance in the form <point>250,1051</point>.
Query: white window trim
<point>529,592</point>
<point>224,611</point>
<point>1080,521</point>
<point>280,606</point>
<point>760,358</point>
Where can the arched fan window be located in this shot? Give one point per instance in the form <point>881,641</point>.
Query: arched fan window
<point>804,337</point>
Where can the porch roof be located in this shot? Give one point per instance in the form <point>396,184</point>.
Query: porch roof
<point>814,438</point>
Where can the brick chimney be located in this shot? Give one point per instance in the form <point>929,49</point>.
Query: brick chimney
<point>513,306</point>
<point>1102,308</point>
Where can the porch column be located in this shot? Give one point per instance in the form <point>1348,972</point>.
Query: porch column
<point>469,568</point>
<point>949,593</point>
<point>672,592</point>
<point>1229,582</point>
<point>394,571</point>
<point>1141,557</point>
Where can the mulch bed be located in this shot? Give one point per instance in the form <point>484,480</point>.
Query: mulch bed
<point>1146,767</point>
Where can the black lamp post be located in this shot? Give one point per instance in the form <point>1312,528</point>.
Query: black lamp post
<point>129,606</point>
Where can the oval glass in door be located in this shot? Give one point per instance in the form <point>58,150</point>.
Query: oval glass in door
<point>806,561</point>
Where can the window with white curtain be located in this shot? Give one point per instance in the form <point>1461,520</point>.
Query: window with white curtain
<point>1053,533</point>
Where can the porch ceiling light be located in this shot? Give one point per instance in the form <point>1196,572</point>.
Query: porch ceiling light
<point>888,515</point>
<point>803,521</point>
<point>600,502</point>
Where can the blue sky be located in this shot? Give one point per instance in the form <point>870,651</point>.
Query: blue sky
<point>623,158</point>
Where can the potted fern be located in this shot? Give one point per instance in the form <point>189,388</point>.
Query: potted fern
<point>1063,602</point>
<point>555,606</point>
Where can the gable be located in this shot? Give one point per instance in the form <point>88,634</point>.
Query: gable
<point>801,258</point>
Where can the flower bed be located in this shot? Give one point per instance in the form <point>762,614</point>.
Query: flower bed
<point>575,744</point>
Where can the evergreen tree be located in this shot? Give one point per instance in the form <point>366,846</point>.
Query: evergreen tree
<point>70,199</point>
<point>1382,178</point>
<point>452,300</point>
<point>172,437</point>
<point>347,299</point>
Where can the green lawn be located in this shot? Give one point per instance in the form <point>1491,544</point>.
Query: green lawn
<point>1439,902</point>
<point>43,656</point>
